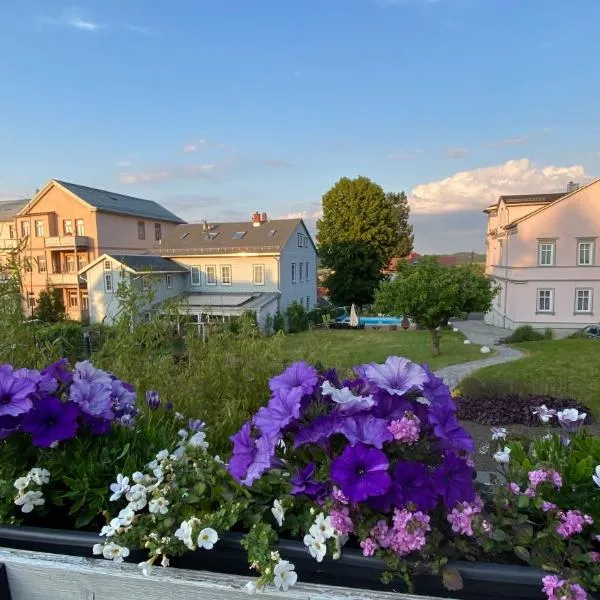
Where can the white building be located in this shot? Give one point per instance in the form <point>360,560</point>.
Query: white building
<point>216,269</point>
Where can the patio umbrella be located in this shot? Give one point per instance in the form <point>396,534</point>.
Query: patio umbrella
<point>353,316</point>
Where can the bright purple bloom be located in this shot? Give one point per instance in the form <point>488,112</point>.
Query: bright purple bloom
<point>537,477</point>
<point>406,430</point>
<point>453,480</point>
<point>153,399</point>
<point>8,425</point>
<point>298,376</point>
<point>45,384</point>
<point>94,399</point>
<point>548,506</point>
<point>412,484</point>
<point>124,399</point>
<point>127,421</point>
<point>244,451</point>
<point>572,522</point>
<point>514,488</point>
<point>263,459</point>
<point>58,371</point>
<point>195,425</point>
<point>15,393</point>
<point>97,425</point>
<point>396,376</point>
<point>85,371</point>
<point>366,429</point>
<point>169,405</point>
<point>436,391</point>
<point>448,430</point>
<point>304,482</point>
<point>51,421</point>
<point>530,492</point>
<point>317,430</point>
<point>561,589</point>
<point>283,409</point>
<point>339,496</point>
<point>361,472</point>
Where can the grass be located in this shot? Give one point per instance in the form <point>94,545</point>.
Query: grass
<point>344,349</point>
<point>562,368</point>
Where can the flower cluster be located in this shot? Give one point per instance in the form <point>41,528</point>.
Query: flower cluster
<point>29,489</point>
<point>560,589</point>
<point>53,404</point>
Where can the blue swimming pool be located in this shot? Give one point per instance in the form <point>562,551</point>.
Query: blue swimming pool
<point>374,321</point>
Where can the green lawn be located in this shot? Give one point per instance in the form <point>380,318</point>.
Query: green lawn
<point>560,368</point>
<point>345,348</point>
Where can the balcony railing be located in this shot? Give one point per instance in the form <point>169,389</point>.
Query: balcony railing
<point>68,241</point>
<point>9,243</point>
<point>62,279</point>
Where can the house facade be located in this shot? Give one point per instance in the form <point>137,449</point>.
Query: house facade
<point>542,252</point>
<point>218,270</point>
<point>66,226</point>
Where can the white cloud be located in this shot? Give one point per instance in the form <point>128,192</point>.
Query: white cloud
<point>69,19</point>
<point>457,152</point>
<point>469,190</point>
<point>82,24</point>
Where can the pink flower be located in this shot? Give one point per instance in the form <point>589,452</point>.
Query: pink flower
<point>595,557</point>
<point>341,522</point>
<point>368,547</point>
<point>514,488</point>
<point>560,589</point>
<point>548,506</point>
<point>551,583</point>
<point>338,495</point>
<point>407,534</point>
<point>537,477</point>
<point>461,518</point>
<point>407,429</point>
<point>556,478</point>
<point>572,523</point>
<point>530,491</point>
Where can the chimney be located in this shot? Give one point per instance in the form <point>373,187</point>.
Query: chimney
<point>263,217</point>
<point>205,225</point>
<point>256,219</point>
<point>572,186</point>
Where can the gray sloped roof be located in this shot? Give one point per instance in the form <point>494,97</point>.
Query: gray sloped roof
<point>119,203</point>
<point>10,208</point>
<point>143,263</point>
<point>190,239</point>
<point>532,198</point>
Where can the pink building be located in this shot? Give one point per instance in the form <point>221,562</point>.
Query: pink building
<point>542,252</point>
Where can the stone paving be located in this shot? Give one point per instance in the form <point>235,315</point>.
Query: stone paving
<point>486,335</point>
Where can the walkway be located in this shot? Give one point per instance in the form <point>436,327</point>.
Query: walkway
<point>486,335</point>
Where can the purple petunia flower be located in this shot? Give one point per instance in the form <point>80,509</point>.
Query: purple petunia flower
<point>396,376</point>
<point>317,430</point>
<point>86,372</point>
<point>94,399</point>
<point>8,425</point>
<point>298,376</point>
<point>58,371</point>
<point>263,459</point>
<point>361,472</point>
<point>15,393</point>
<point>448,430</point>
<point>366,429</point>
<point>303,482</point>
<point>45,384</point>
<point>453,480</point>
<point>51,421</point>
<point>153,399</point>
<point>283,409</point>
<point>124,399</point>
<point>195,425</point>
<point>436,391</point>
<point>244,452</point>
<point>412,482</point>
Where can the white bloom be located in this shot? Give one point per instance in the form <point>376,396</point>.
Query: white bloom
<point>499,433</point>
<point>120,487</point>
<point>159,505</point>
<point>285,576</point>
<point>485,350</point>
<point>503,456</point>
<point>29,500</point>
<point>322,527</point>
<point>340,540</point>
<point>137,497</point>
<point>251,588</point>
<point>97,548</point>
<point>182,433</point>
<point>165,561</point>
<point>571,418</point>
<point>219,460</point>
<point>115,552</point>
<point>198,440</point>
<point>455,329</point>
<point>544,413</point>
<point>316,546</point>
<point>138,477</point>
<point>596,477</point>
<point>152,464</point>
<point>158,473</point>
<point>184,533</point>
<point>39,476</point>
<point>162,455</point>
<point>345,397</point>
<point>207,538</point>
<point>467,342</point>
<point>275,556</point>
<point>179,416</point>
<point>422,400</point>
<point>126,516</point>
<point>22,482</point>
<point>278,512</point>
<point>146,568</point>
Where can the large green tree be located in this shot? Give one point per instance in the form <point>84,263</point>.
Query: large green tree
<point>406,237</point>
<point>355,272</point>
<point>431,294</point>
<point>358,211</point>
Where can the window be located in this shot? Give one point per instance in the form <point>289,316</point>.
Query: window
<point>84,301</point>
<point>211,235</point>
<point>307,302</point>
<point>195,271</point>
<point>169,281</point>
<point>157,232</point>
<point>11,232</point>
<point>69,263</point>
<point>107,266</point>
<point>27,263</point>
<point>39,229</point>
<point>41,261</point>
<point>25,228</point>
<point>80,226</point>
<point>72,299</point>
<point>293,272</point>
<point>258,274</point>
<point>306,274</point>
<point>301,272</point>
<point>108,282</point>
<point>143,284</point>
<point>68,227</point>
<point>583,301</point>
<point>141,230</point>
<point>238,235</point>
<point>82,261</point>
<point>585,253</point>
<point>545,300</point>
<point>300,242</point>
<point>546,254</point>
<point>225,274</point>
<point>305,242</point>
<point>211,275</point>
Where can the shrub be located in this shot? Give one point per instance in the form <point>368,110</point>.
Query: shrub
<point>548,334</point>
<point>297,318</point>
<point>526,333</point>
<point>50,307</point>
<point>66,338</point>
<point>278,322</point>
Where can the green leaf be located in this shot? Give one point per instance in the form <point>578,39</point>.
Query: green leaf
<point>522,553</point>
<point>523,501</point>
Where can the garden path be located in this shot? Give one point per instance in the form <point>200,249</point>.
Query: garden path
<point>479,333</point>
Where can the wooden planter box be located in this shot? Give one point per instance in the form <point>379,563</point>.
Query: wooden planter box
<point>201,574</point>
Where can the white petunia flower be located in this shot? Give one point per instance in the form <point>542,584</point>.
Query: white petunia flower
<point>345,397</point>
<point>138,477</point>
<point>455,329</point>
<point>39,476</point>
<point>120,487</point>
<point>544,413</point>
<point>158,473</point>
<point>21,483</point>
<point>136,497</point>
<point>570,419</point>
<point>503,456</point>
<point>115,552</point>
<point>159,505</point>
<point>182,433</point>
<point>596,477</point>
<point>499,433</point>
<point>97,548</point>
<point>467,342</point>
<point>184,533</point>
<point>422,400</point>
<point>126,516</point>
<point>322,527</point>
<point>198,440</point>
<point>278,512</point>
<point>285,576</point>
<point>251,588</point>
<point>207,538</point>
<point>316,546</point>
<point>29,500</point>
<point>146,568</point>
<point>162,455</point>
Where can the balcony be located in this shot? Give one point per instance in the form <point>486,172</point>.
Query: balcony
<point>62,279</point>
<point>8,244</point>
<point>67,241</point>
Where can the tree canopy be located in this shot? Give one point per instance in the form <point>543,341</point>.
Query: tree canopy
<point>431,294</point>
<point>406,237</point>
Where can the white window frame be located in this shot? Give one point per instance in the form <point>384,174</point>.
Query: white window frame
<point>300,242</point>
<point>108,283</point>
<point>195,276</point>
<point>68,227</point>
<point>591,244</point>
<point>223,270</point>
<point>301,272</point>
<point>552,245</point>
<point>70,260</point>
<point>306,274</point>
<point>169,281</point>
<point>107,265</point>
<point>25,229</point>
<point>80,227</point>
<point>157,232</point>
<point>141,229</point>
<point>590,301</point>
<point>85,301</point>
<point>294,273</point>
<point>549,310</point>
<point>39,228</point>
<point>211,280</point>
<point>42,261</point>
<point>260,280</point>
<point>73,294</point>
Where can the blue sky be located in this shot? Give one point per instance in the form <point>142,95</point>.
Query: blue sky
<point>220,107</point>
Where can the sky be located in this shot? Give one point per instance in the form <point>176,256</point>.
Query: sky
<point>218,108</point>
